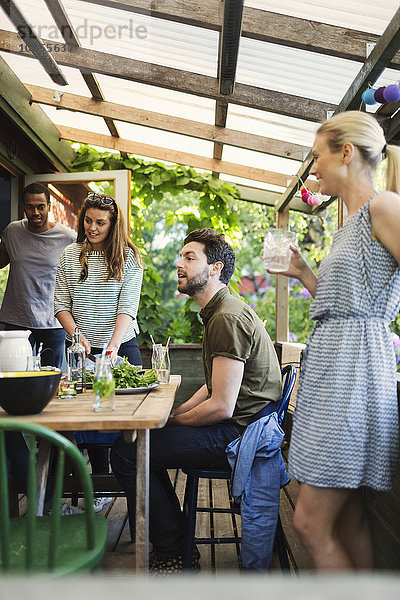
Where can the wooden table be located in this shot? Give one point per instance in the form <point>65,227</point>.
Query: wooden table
<point>134,414</point>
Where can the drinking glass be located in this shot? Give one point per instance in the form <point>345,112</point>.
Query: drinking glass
<point>276,251</point>
<point>33,363</point>
<point>161,363</point>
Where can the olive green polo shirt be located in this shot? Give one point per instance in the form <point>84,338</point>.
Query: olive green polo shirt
<point>232,329</point>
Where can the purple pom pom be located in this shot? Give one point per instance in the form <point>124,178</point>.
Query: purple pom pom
<point>368,96</point>
<point>379,97</point>
<point>391,93</point>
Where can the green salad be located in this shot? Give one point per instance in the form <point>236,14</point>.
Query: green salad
<point>128,376</point>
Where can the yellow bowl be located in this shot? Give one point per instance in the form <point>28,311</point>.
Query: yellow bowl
<point>27,392</point>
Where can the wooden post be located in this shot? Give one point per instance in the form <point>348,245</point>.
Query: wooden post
<point>282,290</point>
<point>142,500</point>
<point>341,211</point>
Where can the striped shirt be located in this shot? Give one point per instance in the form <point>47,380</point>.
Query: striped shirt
<point>95,303</point>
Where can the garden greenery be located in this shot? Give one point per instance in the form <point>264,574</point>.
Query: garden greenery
<point>170,201</point>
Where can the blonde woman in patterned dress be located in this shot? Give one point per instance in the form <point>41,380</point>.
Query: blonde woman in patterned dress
<point>345,432</point>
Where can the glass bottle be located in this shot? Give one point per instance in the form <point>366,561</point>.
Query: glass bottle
<point>76,357</point>
<point>104,385</point>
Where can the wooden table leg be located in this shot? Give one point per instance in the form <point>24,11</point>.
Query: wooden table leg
<point>142,500</point>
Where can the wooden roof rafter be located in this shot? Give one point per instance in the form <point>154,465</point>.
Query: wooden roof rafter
<point>177,156</point>
<point>228,50</point>
<point>66,28</point>
<point>176,79</point>
<point>218,135</point>
<point>262,25</point>
<point>382,54</point>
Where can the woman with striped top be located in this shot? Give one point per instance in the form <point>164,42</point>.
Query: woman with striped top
<point>98,282</point>
<point>98,285</point>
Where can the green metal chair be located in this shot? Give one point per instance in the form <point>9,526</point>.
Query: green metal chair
<point>48,544</point>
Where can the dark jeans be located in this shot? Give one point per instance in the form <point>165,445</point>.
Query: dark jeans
<point>171,448</point>
<point>129,349</point>
<point>53,343</point>
<point>17,458</point>
<point>98,455</point>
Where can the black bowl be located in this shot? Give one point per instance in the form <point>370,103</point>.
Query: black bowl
<point>27,392</point>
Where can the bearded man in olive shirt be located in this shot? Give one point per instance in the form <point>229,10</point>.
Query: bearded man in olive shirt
<point>242,377</point>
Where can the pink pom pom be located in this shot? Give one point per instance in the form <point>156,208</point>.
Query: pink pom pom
<point>306,197</point>
<point>314,200</point>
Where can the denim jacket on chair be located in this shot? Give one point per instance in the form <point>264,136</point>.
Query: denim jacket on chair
<point>258,475</point>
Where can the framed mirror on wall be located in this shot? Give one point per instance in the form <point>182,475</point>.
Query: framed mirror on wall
<point>68,191</point>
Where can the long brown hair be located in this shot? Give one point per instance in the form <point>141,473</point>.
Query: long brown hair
<point>115,245</point>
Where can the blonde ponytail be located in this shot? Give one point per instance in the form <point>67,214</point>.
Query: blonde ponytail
<point>393,169</point>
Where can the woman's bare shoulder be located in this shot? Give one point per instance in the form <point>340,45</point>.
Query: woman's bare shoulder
<point>385,204</point>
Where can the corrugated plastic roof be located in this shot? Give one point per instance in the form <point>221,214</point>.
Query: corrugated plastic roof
<point>261,64</point>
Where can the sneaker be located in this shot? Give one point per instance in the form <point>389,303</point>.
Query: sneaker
<point>68,509</point>
<point>99,503</point>
<point>172,565</point>
<point>65,510</point>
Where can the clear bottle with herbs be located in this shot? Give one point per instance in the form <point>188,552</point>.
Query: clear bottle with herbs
<point>76,358</point>
<point>104,385</point>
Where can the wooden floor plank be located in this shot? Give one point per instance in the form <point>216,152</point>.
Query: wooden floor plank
<point>226,555</point>
<point>120,553</point>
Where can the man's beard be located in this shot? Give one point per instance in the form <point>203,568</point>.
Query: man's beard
<point>194,285</point>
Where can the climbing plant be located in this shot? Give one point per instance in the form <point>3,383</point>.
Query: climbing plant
<point>204,202</point>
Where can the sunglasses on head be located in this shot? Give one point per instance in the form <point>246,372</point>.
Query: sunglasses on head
<point>103,199</point>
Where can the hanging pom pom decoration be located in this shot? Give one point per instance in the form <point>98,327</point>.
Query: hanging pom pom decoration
<point>368,96</point>
<point>315,200</point>
<point>391,93</point>
<point>309,198</point>
<point>305,194</point>
<point>381,95</point>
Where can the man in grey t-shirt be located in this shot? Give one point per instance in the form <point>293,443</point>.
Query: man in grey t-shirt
<point>33,247</point>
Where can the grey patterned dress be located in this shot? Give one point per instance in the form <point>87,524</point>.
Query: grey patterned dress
<point>345,431</point>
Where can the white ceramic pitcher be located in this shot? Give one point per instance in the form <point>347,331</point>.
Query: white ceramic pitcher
<point>14,350</point>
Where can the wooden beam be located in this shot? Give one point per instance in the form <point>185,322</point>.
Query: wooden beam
<point>29,38</point>
<point>31,120</point>
<point>229,46</point>
<point>175,79</point>
<point>221,113</point>
<point>63,22</point>
<point>394,127</point>
<point>265,197</point>
<point>174,156</point>
<point>377,61</point>
<point>260,25</point>
<point>214,133</point>
<point>66,28</point>
<point>381,55</point>
<point>282,290</point>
